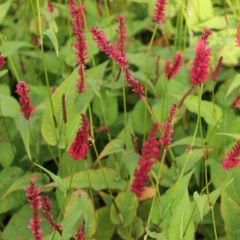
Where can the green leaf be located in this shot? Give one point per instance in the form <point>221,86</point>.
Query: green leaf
<point>114,146</point>
<point>58,180</point>
<point>234,84</point>
<point>136,229</point>
<point>9,107</point>
<point>232,135</point>
<point>202,204</point>
<point>209,111</point>
<point>8,48</point>
<point>105,227</point>
<point>4,9</point>
<point>7,154</point>
<point>3,72</point>
<point>53,38</point>
<point>102,178</point>
<point>23,126</point>
<point>79,212</point>
<point>127,204</point>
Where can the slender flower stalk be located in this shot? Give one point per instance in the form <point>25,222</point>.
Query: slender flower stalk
<point>199,70</point>
<point>119,58</point>
<point>216,70</point>
<point>80,144</point>
<point>26,108</point>
<point>34,198</point>
<point>171,69</point>
<point>150,150</point>
<point>47,212</point>
<point>80,44</point>
<point>64,110</point>
<point>159,13</point>
<point>232,159</point>
<point>167,129</point>
<point>238,37</point>
<point>2,61</point>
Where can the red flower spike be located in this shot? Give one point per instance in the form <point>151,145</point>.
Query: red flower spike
<point>80,144</point>
<point>171,69</point>
<point>26,108</point>
<point>102,42</point>
<point>80,44</point>
<point>120,45</point>
<point>80,234</point>
<point>150,150</point>
<point>216,71</point>
<point>232,159</point>
<point>2,61</point>
<point>167,129</point>
<point>34,198</point>
<point>206,34</point>
<point>238,36</point>
<point>159,13</point>
<point>50,6</point>
<point>47,212</point>
<point>199,70</point>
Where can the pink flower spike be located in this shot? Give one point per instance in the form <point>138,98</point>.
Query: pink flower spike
<point>47,212</point>
<point>26,108</point>
<point>232,159</point>
<point>199,70</point>
<point>159,13</point>
<point>102,42</point>
<point>80,144</point>
<point>171,69</point>
<point>167,129</point>
<point>80,234</point>
<point>50,6</point>
<point>120,45</point>
<point>34,198</point>
<point>238,36</point>
<point>206,33</point>
<point>80,44</point>
<point>2,61</point>
<point>150,150</point>
<point>216,71</point>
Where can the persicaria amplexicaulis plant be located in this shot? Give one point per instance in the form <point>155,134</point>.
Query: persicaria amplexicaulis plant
<point>50,6</point>
<point>216,71</point>
<point>160,8</point>
<point>2,61</point>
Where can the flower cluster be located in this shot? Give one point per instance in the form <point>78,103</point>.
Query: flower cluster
<point>80,43</point>
<point>23,91</point>
<point>150,150</point>
<point>171,69</point>
<point>238,36</point>
<point>80,234</point>
<point>167,129</point>
<point>47,212</point>
<point>117,54</point>
<point>232,159</point>
<point>2,61</point>
<point>80,144</point>
<point>34,198</point>
<point>159,13</point>
<point>216,70</point>
<point>206,33</point>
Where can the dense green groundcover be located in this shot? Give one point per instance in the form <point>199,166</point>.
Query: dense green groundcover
<point>196,196</point>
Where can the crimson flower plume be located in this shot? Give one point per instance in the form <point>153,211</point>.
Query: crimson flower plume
<point>79,147</point>
<point>150,150</point>
<point>159,13</point>
<point>167,129</point>
<point>232,159</point>
<point>34,198</point>
<point>120,44</point>
<point>2,61</point>
<point>238,36</point>
<point>171,69</point>
<point>26,108</point>
<point>216,70</point>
